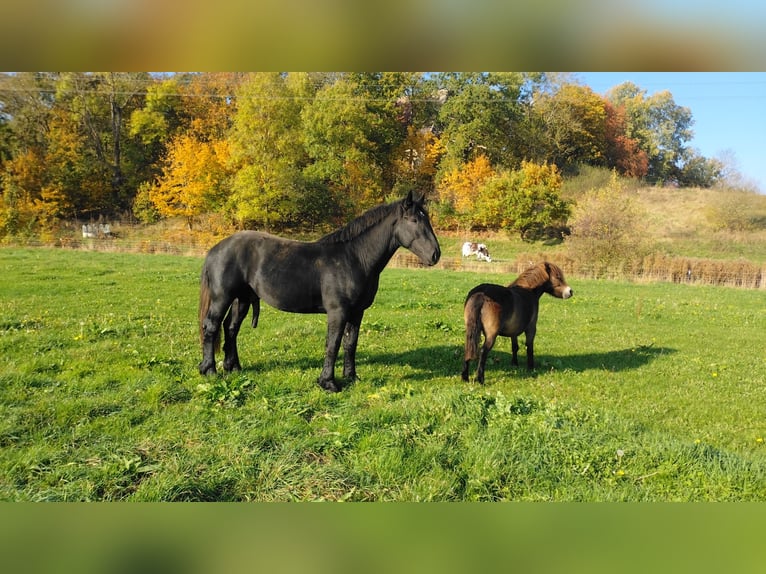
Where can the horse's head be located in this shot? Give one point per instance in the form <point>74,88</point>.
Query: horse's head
<point>413,231</point>
<point>558,285</point>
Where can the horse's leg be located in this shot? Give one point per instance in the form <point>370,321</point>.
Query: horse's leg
<point>489,342</point>
<point>232,322</point>
<point>210,334</point>
<point>336,323</point>
<point>350,339</point>
<point>515,350</point>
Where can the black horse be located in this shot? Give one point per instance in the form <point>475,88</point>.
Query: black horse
<point>337,275</point>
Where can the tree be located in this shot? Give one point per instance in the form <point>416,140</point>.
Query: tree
<point>267,152</point>
<point>574,120</point>
<point>525,201</point>
<point>607,228</point>
<point>344,156</point>
<point>194,179</point>
<point>478,117</point>
<point>100,104</point>
<point>660,126</point>
<point>458,192</point>
<point>417,159</point>
<point>623,153</point>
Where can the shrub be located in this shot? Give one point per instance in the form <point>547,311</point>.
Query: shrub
<point>606,230</point>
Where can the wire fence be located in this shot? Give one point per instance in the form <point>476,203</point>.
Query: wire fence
<point>653,268</point>
<point>743,274</point>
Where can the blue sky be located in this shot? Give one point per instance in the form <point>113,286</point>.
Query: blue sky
<point>728,108</point>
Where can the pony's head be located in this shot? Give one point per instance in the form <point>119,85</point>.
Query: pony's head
<point>546,276</point>
<point>413,231</point>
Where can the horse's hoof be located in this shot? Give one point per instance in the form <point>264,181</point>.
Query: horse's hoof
<point>207,370</point>
<point>329,386</point>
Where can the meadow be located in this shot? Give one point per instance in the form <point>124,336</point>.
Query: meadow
<point>643,392</point>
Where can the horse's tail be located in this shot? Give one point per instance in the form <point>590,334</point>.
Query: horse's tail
<point>473,327</point>
<point>204,306</point>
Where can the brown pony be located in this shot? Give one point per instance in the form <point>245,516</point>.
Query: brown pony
<point>509,311</point>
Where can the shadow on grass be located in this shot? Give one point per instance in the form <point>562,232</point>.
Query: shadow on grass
<point>447,360</point>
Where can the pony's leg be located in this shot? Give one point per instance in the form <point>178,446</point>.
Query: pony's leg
<point>232,322</point>
<point>466,365</point>
<point>530,350</point>
<point>350,339</point>
<point>515,350</point>
<point>489,342</point>
<point>211,335</point>
<point>336,323</point>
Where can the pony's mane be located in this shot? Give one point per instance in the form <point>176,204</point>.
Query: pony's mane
<point>536,275</point>
<point>361,224</point>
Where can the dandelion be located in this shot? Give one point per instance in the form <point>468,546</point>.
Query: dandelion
<point>620,472</point>
<point>759,440</point>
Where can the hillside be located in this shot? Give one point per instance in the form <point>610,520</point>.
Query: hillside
<point>712,223</point>
<point>721,230</point>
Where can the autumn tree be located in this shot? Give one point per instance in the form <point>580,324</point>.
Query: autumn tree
<point>525,201</point>
<point>416,161</point>
<point>194,179</point>
<point>660,126</point>
<point>622,152</point>
<point>100,105</point>
<point>606,228</point>
<point>573,127</point>
<point>458,192</point>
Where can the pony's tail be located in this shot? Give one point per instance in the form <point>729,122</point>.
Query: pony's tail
<point>204,306</point>
<point>472,317</point>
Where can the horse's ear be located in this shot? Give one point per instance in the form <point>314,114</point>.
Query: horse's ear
<point>408,200</point>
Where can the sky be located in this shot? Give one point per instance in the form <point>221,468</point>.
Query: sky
<point>728,109</point>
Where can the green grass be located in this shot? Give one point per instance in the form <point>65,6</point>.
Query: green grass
<point>642,392</point>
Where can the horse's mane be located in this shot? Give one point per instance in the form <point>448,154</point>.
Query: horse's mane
<point>536,275</point>
<point>361,224</point>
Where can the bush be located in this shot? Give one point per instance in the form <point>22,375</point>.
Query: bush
<point>607,230</point>
<point>524,201</point>
<point>737,211</point>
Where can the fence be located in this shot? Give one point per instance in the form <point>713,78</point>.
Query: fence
<point>652,268</point>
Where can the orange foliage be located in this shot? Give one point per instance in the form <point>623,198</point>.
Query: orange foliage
<point>418,157</point>
<point>623,153</point>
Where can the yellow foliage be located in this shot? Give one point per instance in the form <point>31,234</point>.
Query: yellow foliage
<point>192,178</point>
<point>460,187</point>
<point>537,174</point>
<point>418,156</point>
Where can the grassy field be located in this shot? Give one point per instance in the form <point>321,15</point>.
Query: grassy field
<point>642,392</point>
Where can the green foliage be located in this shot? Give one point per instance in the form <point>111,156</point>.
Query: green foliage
<point>267,152</point>
<point>660,126</point>
<point>524,201</point>
<point>314,149</point>
<point>102,401</point>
